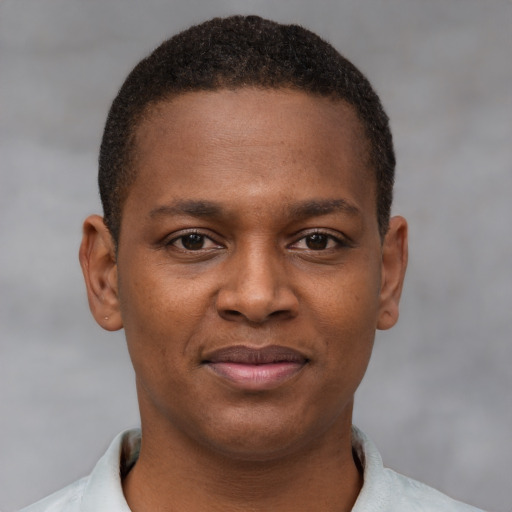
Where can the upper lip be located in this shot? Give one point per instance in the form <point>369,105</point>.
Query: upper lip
<point>241,354</point>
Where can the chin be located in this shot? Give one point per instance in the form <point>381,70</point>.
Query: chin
<point>257,437</point>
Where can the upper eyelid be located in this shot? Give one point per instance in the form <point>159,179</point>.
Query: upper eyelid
<point>293,238</point>
<point>173,243</point>
<point>341,240</point>
<point>320,231</point>
<point>338,240</point>
<point>176,235</point>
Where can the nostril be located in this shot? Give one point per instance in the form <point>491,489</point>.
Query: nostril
<point>280,312</point>
<point>232,312</point>
<point>247,303</point>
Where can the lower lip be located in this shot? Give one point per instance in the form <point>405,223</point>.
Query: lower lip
<point>258,377</point>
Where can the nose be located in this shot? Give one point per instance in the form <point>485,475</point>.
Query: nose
<point>256,288</point>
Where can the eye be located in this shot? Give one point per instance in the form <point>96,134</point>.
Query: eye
<point>193,242</point>
<point>319,242</point>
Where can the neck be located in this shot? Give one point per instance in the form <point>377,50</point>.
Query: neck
<point>174,474</point>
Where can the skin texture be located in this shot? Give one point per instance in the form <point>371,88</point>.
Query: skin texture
<point>252,222</point>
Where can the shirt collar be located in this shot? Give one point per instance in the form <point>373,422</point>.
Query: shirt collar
<point>104,490</point>
<point>375,493</point>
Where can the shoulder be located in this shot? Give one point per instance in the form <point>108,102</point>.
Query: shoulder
<point>410,495</point>
<point>65,500</point>
<point>102,489</point>
<point>384,490</point>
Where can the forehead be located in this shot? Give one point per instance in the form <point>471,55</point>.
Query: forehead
<point>246,115</point>
<point>250,138</point>
<point>242,109</point>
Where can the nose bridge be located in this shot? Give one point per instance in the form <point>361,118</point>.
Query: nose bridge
<point>256,285</point>
<point>257,274</point>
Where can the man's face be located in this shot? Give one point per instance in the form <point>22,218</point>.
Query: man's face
<point>250,269</point>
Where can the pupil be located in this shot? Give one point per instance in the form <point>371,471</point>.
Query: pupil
<point>193,242</point>
<point>316,242</point>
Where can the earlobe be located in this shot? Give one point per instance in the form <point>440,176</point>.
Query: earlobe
<point>98,261</point>
<point>394,264</point>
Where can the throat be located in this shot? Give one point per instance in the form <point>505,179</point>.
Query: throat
<point>303,484</point>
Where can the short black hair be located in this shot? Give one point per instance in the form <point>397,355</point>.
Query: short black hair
<point>231,53</point>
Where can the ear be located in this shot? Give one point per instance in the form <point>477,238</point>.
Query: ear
<point>98,260</point>
<point>394,264</point>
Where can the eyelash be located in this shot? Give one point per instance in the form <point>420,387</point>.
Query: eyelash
<point>340,241</point>
<point>182,236</point>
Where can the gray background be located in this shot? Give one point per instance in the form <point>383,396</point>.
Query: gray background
<point>437,398</point>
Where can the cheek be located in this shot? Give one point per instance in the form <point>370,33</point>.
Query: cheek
<point>150,313</point>
<point>158,323</point>
<point>345,314</point>
<point>155,299</point>
<point>346,302</point>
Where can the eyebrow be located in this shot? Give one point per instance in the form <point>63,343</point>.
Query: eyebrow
<point>191,208</point>
<point>317,208</point>
<point>300,210</point>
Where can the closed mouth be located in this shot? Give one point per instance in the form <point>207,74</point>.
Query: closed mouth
<point>241,354</point>
<point>256,369</point>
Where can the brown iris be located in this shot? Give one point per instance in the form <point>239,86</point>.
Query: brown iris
<point>317,241</point>
<point>193,241</point>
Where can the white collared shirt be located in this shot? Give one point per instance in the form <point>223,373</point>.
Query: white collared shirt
<point>383,490</point>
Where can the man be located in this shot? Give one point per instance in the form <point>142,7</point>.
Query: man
<point>247,249</point>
